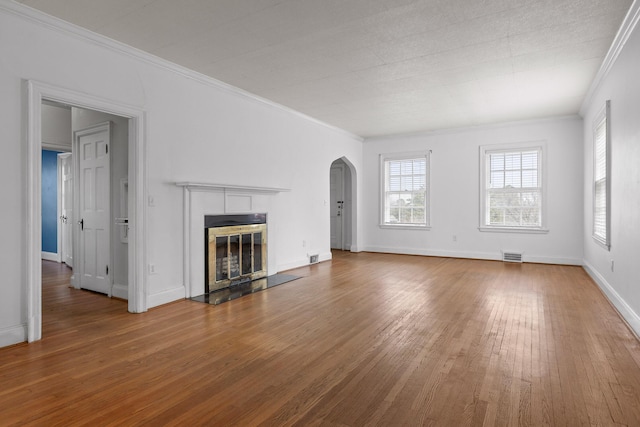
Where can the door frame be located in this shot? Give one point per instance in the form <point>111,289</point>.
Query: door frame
<point>60,204</point>
<point>35,93</point>
<point>350,189</point>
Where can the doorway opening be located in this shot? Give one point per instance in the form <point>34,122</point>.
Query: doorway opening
<point>342,191</point>
<point>90,223</point>
<point>128,171</point>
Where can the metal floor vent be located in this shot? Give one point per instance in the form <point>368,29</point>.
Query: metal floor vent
<point>313,259</point>
<point>511,256</point>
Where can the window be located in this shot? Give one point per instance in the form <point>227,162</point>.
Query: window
<point>511,193</point>
<point>601,173</point>
<point>405,190</point>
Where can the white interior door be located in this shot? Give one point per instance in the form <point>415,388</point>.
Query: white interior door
<point>336,186</point>
<point>66,207</point>
<point>94,215</point>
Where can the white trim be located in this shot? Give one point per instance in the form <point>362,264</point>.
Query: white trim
<point>303,262</point>
<point>198,186</point>
<point>13,335</point>
<point>56,146</point>
<point>405,227</point>
<point>525,230</point>
<point>626,312</point>
<point>59,203</point>
<point>600,243</point>
<point>353,205</point>
<point>56,24</point>
<point>35,93</point>
<point>167,296</point>
<point>624,32</point>
<point>33,264</point>
<point>490,256</point>
<point>487,256</point>
<point>50,256</point>
<point>552,260</point>
<point>120,291</point>
<point>472,128</point>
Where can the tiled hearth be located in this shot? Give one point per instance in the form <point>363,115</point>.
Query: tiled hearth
<point>242,289</point>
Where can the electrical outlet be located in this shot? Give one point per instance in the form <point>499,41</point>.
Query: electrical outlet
<point>151,201</point>
<point>304,243</point>
<point>152,269</point>
<point>455,238</point>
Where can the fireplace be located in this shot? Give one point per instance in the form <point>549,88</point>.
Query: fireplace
<point>235,250</point>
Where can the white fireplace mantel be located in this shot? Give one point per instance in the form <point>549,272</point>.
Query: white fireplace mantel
<point>199,186</point>
<point>235,199</point>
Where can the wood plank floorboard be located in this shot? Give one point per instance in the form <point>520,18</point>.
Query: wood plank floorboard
<point>364,339</point>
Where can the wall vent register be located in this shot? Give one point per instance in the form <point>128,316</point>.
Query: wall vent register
<point>512,256</point>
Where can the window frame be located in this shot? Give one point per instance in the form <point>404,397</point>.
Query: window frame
<point>602,116</point>
<point>485,151</point>
<point>384,158</point>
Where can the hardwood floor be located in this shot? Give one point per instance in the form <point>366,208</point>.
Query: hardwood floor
<point>366,339</point>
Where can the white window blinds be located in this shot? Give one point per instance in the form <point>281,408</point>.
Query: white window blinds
<point>405,191</point>
<point>513,189</point>
<point>600,178</point>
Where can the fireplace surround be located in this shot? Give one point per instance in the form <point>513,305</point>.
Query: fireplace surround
<point>200,199</point>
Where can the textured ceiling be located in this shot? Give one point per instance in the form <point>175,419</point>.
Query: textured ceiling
<point>376,67</point>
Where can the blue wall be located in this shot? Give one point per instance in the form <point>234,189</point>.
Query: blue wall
<point>50,201</point>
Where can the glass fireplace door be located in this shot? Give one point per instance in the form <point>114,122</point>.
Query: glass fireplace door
<point>235,254</point>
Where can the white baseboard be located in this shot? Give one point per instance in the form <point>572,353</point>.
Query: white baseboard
<point>120,291</point>
<point>13,335</point>
<point>550,260</point>
<point>627,313</point>
<point>303,262</point>
<point>325,257</point>
<point>166,297</point>
<point>50,256</point>
<point>497,256</point>
<point>430,252</point>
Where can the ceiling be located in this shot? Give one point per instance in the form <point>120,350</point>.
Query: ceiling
<point>376,67</point>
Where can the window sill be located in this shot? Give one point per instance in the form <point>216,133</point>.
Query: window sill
<point>514,230</point>
<point>602,244</point>
<point>405,227</point>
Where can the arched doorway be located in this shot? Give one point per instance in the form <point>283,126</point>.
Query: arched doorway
<point>342,207</point>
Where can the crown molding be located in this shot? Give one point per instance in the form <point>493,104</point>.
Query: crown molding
<point>473,128</point>
<point>37,17</point>
<point>624,32</point>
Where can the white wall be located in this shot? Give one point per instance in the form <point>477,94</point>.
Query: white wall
<point>196,130</point>
<point>82,119</point>
<point>622,86</point>
<point>455,194</point>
